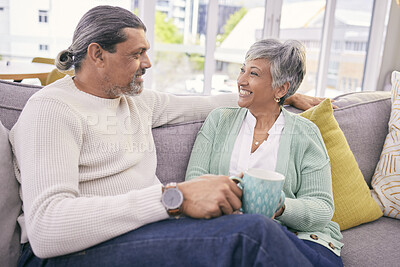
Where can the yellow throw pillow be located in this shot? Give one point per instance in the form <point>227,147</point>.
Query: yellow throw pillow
<point>386,179</point>
<point>351,194</point>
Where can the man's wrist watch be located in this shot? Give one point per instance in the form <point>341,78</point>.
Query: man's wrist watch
<point>172,199</point>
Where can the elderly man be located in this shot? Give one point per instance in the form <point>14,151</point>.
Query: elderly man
<point>86,161</point>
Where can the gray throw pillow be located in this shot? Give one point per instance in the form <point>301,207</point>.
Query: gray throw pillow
<point>10,205</point>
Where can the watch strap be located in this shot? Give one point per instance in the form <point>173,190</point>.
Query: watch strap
<point>172,212</point>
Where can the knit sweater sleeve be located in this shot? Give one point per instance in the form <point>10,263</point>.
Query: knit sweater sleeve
<point>47,142</point>
<point>169,109</point>
<point>199,163</point>
<point>310,206</point>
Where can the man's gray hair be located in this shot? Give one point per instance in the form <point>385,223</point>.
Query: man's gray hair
<point>102,25</point>
<point>287,62</point>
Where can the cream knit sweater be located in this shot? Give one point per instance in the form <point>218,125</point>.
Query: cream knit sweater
<point>87,164</point>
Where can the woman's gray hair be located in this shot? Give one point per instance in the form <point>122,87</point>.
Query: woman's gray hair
<point>102,25</point>
<point>287,62</point>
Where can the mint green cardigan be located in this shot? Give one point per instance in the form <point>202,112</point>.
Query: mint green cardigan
<point>302,159</point>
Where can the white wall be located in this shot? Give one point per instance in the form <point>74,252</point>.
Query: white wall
<point>4,17</point>
<point>27,33</point>
<point>391,52</point>
<point>4,24</point>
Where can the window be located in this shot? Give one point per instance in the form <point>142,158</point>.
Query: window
<point>238,27</point>
<point>179,48</point>
<point>43,16</point>
<point>198,46</point>
<point>303,21</point>
<point>43,47</point>
<point>336,48</point>
<point>352,27</point>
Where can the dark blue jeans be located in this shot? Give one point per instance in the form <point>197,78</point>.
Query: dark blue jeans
<point>234,240</point>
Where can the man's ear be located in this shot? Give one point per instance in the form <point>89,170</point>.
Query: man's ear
<point>282,90</point>
<point>95,53</point>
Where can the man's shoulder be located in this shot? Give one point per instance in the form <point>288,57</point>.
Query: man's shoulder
<point>148,97</point>
<point>57,90</point>
<point>54,100</point>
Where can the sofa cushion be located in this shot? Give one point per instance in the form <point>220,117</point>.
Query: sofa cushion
<point>353,202</point>
<point>363,117</point>
<point>386,180</point>
<point>372,244</point>
<point>174,145</point>
<point>13,98</point>
<point>10,204</point>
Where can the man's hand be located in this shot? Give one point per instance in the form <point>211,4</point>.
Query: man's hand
<point>210,196</point>
<point>304,102</point>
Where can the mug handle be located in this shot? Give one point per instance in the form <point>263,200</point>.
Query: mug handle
<point>281,201</point>
<point>238,181</point>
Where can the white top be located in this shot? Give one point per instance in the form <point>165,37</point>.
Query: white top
<point>266,155</point>
<point>87,164</point>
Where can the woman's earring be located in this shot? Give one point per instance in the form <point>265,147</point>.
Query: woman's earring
<point>277,99</point>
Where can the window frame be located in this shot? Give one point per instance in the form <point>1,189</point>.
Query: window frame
<point>375,45</point>
<point>272,17</point>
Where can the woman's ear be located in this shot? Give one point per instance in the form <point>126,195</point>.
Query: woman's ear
<point>95,54</point>
<point>282,90</point>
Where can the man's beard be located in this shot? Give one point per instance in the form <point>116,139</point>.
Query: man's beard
<point>134,88</point>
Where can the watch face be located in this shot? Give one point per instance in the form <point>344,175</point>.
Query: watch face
<point>172,198</point>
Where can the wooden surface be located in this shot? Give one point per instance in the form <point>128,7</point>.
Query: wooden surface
<point>18,71</point>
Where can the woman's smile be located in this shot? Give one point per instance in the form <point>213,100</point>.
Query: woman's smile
<point>244,92</point>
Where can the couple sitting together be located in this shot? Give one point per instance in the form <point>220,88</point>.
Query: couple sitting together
<point>88,206</point>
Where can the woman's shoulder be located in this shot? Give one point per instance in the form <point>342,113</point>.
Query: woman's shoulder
<point>224,117</point>
<point>227,112</point>
<point>300,123</point>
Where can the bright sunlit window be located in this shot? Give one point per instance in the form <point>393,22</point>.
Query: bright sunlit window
<point>198,46</point>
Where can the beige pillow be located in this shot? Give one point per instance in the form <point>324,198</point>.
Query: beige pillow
<point>353,202</point>
<point>386,179</point>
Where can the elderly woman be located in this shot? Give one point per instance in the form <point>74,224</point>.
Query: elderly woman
<point>262,134</point>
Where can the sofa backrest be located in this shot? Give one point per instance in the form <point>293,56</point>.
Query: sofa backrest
<point>13,97</point>
<point>363,118</point>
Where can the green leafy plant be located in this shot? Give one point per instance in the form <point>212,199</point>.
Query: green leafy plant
<point>231,24</point>
<point>165,30</point>
<point>197,61</point>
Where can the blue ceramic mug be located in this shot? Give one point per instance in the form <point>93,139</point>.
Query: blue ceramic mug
<point>262,191</point>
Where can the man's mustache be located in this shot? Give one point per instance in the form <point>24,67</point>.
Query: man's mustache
<point>141,72</point>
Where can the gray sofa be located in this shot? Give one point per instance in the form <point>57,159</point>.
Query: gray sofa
<point>363,117</point>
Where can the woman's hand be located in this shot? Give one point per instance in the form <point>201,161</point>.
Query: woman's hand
<point>305,102</point>
<point>279,212</point>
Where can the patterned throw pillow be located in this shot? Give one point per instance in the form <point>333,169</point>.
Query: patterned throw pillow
<point>351,194</point>
<point>386,180</point>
